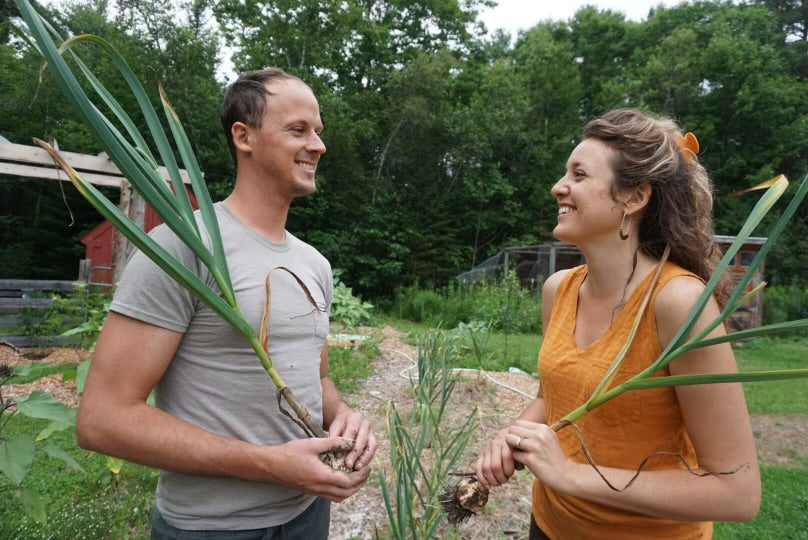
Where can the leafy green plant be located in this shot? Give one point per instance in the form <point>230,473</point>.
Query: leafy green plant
<point>79,505</point>
<point>94,306</point>
<point>18,451</point>
<point>348,309</point>
<point>423,450</point>
<point>77,315</point>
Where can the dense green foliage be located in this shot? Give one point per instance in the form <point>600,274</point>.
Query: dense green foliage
<point>443,140</point>
<point>504,305</point>
<point>347,309</point>
<point>785,303</point>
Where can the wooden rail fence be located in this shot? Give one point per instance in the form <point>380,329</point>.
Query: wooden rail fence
<point>21,301</point>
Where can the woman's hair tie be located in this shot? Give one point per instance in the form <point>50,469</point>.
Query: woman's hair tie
<point>688,145</point>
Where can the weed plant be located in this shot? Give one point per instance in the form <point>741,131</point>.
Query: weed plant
<point>348,309</point>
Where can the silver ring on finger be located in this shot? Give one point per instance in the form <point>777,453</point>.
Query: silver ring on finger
<point>519,443</point>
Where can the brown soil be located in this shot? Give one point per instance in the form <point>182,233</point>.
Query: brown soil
<point>498,397</point>
<point>64,391</point>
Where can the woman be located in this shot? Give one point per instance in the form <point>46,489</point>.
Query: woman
<point>632,187</point>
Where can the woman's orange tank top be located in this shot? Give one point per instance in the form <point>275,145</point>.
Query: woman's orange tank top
<point>620,433</point>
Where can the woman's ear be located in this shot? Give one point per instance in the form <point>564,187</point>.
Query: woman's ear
<point>638,198</point>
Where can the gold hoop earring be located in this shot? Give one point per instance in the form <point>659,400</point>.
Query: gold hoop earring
<point>624,235</point>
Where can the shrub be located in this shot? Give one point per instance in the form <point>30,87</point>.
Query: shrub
<point>504,305</point>
<point>346,308</point>
<point>783,303</point>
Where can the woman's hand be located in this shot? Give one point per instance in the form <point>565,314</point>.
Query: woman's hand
<point>537,447</point>
<point>496,465</point>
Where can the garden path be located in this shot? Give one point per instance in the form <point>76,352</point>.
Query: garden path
<point>507,512</point>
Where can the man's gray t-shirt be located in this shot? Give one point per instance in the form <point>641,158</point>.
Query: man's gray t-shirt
<point>215,379</point>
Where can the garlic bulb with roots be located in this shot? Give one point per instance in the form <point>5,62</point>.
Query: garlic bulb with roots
<point>464,499</point>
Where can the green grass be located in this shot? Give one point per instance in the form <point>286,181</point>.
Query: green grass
<point>784,509</point>
<point>91,505</point>
<point>501,352</point>
<point>783,514</point>
<point>782,397</point>
<point>347,367</point>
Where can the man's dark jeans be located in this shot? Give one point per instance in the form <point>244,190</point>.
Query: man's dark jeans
<point>312,524</point>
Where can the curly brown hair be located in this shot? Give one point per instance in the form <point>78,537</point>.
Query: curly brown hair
<point>679,212</point>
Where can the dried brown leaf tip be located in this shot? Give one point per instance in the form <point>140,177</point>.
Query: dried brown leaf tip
<point>464,499</point>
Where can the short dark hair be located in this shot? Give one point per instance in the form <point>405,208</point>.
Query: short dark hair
<point>245,101</point>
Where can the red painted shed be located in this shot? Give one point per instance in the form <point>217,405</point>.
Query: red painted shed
<point>100,240</point>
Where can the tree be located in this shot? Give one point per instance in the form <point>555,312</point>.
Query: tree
<point>346,45</point>
<point>601,43</point>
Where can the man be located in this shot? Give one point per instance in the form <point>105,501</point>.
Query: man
<point>229,459</point>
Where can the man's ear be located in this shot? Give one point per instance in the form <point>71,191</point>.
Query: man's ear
<point>638,198</point>
<point>241,137</point>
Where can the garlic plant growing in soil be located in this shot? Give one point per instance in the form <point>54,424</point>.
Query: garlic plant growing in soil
<point>137,163</point>
<point>464,500</point>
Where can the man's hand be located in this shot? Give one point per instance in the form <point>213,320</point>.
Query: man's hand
<point>351,424</point>
<point>297,464</point>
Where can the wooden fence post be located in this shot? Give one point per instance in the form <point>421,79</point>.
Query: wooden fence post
<point>133,205</point>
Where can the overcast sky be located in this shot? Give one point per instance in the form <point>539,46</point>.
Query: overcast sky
<point>515,15</point>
